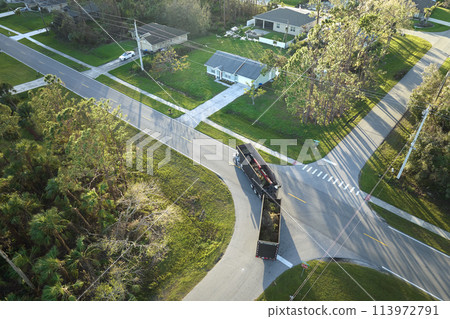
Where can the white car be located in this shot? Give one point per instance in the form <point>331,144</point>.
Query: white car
<point>127,55</point>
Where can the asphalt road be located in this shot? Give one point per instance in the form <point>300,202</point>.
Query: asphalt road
<point>322,219</point>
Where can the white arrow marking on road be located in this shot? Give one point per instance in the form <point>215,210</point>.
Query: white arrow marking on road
<point>319,174</point>
<point>325,160</point>
<point>284,261</point>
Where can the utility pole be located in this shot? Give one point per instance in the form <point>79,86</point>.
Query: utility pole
<point>139,45</point>
<point>425,114</point>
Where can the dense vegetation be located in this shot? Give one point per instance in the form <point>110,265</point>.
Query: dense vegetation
<point>76,222</point>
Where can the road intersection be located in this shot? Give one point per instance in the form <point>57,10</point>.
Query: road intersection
<point>323,217</point>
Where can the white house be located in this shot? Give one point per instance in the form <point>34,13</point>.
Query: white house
<point>236,69</point>
<point>285,20</point>
<point>154,36</point>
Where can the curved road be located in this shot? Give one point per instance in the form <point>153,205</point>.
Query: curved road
<point>322,217</point>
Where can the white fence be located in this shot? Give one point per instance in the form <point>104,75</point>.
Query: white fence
<point>275,43</point>
<point>250,22</point>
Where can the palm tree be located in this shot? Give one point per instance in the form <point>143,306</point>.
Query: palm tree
<point>48,225</point>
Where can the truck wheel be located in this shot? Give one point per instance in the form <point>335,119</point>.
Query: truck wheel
<point>254,190</point>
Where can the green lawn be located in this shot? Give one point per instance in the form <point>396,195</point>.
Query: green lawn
<point>92,56</point>
<point>403,193</point>
<point>74,65</point>
<point>11,6</point>
<point>187,88</point>
<point>26,22</point>
<point>413,230</point>
<point>279,123</point>
<point>248,49</point>
<point>139,97</point>
<point>435,28</point>
<point>7,33</point>
<point>335,285</point>
<point>293,3</point>
<point>441,14</point>
<point>15,72</point>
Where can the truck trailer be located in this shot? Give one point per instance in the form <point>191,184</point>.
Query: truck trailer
<point>262,179</point>
<point>269,228</point>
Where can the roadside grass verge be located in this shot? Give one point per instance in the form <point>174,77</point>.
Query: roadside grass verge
<point>72,64</point>
<point>26,21</point>
<point>413,230</point>
<point>6,32</point>
<point>139,97</point>
<point>404,193</point>
<point>445,67</point>
<point>231,141</point>
<point>335,285</point>
<point>441,14</point>
<point>11,6</point>
<point>15,72</point>
<point>278,122</point>
<point>93,56</point>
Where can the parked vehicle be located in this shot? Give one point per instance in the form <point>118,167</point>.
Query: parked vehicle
<point>264,183</point>
<point>269,228</point>
<point>262,179</point>
<point>127,55</point>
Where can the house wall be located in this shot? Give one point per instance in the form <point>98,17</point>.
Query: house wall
<point>243,80</point>
<point>274,43</point>
<point>145,45</point>
<point>265,78</point>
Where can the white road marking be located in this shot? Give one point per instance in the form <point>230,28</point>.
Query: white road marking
<point>335,181</point>
<point>324,176</point>
<point>284,261</point>
<point>351,191</point>
<point>325,160</point>
<point>319,174</point>
<point>314,171</point>
<point>304,167</point>
<point>331,177</point>
<point>357,193</point>
<point>309,169</point>
<point>346,186</point>
<point>417,241</point>
<point>388,270</point>
<point>341,184</point>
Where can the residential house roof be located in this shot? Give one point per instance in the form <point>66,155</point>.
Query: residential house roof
<point>235,64</point>
<point>286,15</point>
<point>155,33</point>
<point>422,4</point>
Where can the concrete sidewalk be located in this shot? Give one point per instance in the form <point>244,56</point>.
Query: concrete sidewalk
<point>28,35</point>
<point>6,14</point>
<point>29,85</point>
<point>439,21</point>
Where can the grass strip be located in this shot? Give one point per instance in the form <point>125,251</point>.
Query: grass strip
<point>167,110</point>
<point>72,64</point>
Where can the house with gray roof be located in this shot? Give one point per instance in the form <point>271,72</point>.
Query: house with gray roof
<point>291,20</point>
<point>155,36</point>
<point>236,69</point>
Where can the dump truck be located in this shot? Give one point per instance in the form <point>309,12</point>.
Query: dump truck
<point>269,228</point>
<point>262,179</point>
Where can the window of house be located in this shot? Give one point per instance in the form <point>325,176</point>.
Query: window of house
<point>292,29</point>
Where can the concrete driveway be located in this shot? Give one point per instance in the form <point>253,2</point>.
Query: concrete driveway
<point>201,112</point>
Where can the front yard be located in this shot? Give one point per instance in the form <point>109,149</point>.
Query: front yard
<point>279,123</point>
<point>15,72</point>
<point>187,88</point>
<point>93,56</point>
<point>26,21</point>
